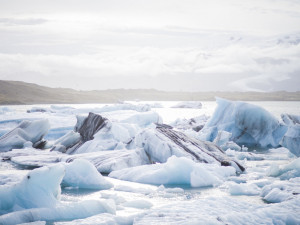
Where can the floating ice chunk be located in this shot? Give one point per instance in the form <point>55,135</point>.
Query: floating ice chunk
<point>188,104</point>
<point>244,155</point>
<point>39,188</point>
<point>276,195</point>
<point>222,138</point>
<point>67,141</point>
<point>75,210</point>
<point>291,139</point>
<point>163,142</point>
<point>249,124</point>
<point>196,123</point>
<point>125,106</point>
<point>32,131</point>
<point>39,109</point>
<point>285,172</point>
<point>290,120</point>
<point>139,204</point>
<point>99,219</point>
<point>280,191</point>
<point>176,171</point>
<point>143,119</point>
<point>243,189</point>
<point>4,110</point>
<point>83,174</point>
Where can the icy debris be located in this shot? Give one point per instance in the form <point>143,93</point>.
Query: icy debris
<point>243,189</point>
<point>82,174</point>
<point>39,109</point>
<point>249,124</point>
<point>176,171</point>
<point>107,161</point>
<point>222,210</point>
<point>73,211</point>
<point>32,131</point>
<point>188,104</point>
<point>163,142</point>
<point>280,191</point>
<point>143,119</point>
<point>285,172</point>
<point>4,110</point>
<point>290,120</point>
<point>67,141</point>
<point>196,123</point>
<point>125,106</point>
<point>139,204</point>
<point>244,155</point>
<point>39,188</point>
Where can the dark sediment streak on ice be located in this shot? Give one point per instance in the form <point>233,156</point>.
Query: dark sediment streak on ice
<point>199,147</point>
<point>90,126</point>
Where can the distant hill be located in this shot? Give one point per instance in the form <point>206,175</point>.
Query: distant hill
<point>17,92</point>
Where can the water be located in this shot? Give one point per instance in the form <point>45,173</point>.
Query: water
<point>168,204</point>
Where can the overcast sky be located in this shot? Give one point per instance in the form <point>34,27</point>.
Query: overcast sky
<point>174,45</point>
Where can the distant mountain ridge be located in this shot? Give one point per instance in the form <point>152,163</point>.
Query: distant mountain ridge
<point>18,92</point>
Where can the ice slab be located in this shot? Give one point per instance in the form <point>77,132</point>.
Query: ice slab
<point>163,142</point>
<point>80,173</point>
<point>32,131</point>
<point>176,171</point>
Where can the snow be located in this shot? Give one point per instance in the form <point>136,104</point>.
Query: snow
<point>188,104</point>
<point>82,174</point>
<point>32,131</point>
<point>176,171</point>
<point>249,124</point>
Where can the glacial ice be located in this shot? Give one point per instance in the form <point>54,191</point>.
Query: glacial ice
<point>196,123</point>
<point>249,124</point>
<point>39,188</point>
<point>71,211</point>
<point>176,171</point>
<point>82,174</point>
<point>32,131</point>
<point>163,142</point>
<point>287,171</point>
<point>291,140</point>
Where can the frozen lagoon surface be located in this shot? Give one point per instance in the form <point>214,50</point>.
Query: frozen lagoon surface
<point>268,192</point>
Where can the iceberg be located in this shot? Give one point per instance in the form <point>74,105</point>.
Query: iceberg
<point>39,188</point>
<point>163,142</point>
<point>26,131</point>
<point>80,173</point>
<point>290,120</point>
<point>249,125</point>
<point>176,171</point>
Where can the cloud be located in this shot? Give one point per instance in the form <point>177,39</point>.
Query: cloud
<point>26,21</point>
